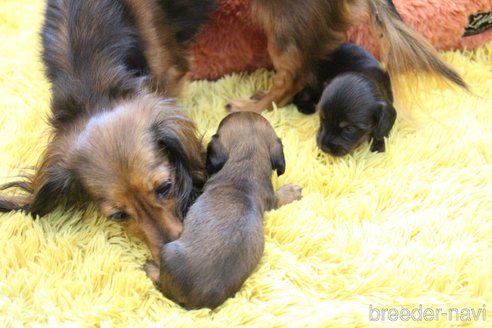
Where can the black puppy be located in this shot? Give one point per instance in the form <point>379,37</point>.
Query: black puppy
<point>356,103</point>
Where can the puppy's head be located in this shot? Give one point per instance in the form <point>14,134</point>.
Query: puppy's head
<point>245,135</point>
<point>141,163</point>
<point>351,111</point>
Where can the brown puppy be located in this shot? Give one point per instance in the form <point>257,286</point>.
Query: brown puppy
<point>222,241</point>
<point>114,141</point>
<point>300,33</point>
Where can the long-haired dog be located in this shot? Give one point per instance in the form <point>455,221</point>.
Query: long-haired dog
<point>114,140</point>
<point>356,101</point>
<point>301,33</point>
<point>222,240</point>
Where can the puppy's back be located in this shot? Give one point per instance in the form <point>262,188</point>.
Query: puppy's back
<point>221,245</point>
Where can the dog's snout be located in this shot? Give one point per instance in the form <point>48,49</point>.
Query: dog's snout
<point>330,146</point>
<point>174,231</point>
<point>171,233</point>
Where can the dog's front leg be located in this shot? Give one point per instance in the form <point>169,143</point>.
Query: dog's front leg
<point>167,60</point>
<point>287,194</point>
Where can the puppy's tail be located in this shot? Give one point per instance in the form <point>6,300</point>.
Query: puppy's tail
<point>406,50</point>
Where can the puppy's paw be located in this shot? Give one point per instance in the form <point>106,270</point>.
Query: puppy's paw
<point>258,95</point>
<point>152,271</point>
<point>306,107</point>
<point>287,194</point>
<point>241,105</point>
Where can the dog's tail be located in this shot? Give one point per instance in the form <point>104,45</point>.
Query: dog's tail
<point>405,49</point>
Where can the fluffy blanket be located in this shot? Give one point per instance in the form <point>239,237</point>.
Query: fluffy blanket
<point>409,229</point>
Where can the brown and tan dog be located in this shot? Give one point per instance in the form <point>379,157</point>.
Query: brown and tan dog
<point>222,240</point>
<point>114,140</point>
<point>301,33</point>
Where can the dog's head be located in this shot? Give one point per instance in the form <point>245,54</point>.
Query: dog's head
<point>141,163</point>
<point>351,111</point>
<point>245,135</point>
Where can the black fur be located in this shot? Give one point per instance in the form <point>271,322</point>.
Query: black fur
<point>188,16</point>
<point>278,157</point>
<point>184,189</point>
<point>216,156</point>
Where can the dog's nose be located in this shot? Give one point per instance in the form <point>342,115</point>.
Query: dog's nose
<point>333,149</point>
<point>325,148</point>
<point>325,145</point>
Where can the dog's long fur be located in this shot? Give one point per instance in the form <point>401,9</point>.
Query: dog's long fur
<point>356,101</point>
<point>114,141</point>
<point>300,33</point>
<point>222,241</point>
<point>167,29</point>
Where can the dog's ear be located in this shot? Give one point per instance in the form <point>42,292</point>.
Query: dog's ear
<point>175,134</point>
<point>183,185</point>
<point>53,186</point>
<point>385,118</point>
<point>216,155</point>
<point>278,158</point>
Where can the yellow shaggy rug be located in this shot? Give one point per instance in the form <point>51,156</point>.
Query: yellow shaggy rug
<point>377,240</point>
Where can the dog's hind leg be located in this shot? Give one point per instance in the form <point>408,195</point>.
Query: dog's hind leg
<point>289,80</point>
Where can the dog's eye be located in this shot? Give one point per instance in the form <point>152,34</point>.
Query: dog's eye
<point>351,129</point>
<point>163,189</point>
<point>119,216</point>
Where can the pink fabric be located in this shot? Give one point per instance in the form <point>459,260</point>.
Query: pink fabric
<point>231,43</point>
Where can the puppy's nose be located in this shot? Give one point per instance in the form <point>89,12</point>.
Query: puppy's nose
<point>333,149</point>
<point>327,147</point>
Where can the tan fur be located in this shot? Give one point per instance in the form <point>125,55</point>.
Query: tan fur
<point>125,177</point>
<point>403,49</point>
<point>114,142</point>
<point>114,160</point>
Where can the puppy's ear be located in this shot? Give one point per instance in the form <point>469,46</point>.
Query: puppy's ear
<point>216,155</point>
<point>385,118</point>
<point>278,158</point>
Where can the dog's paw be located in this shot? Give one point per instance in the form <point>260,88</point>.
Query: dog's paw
<point>152,271</point>
<point>287,194</point>
<point>241,105</point>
